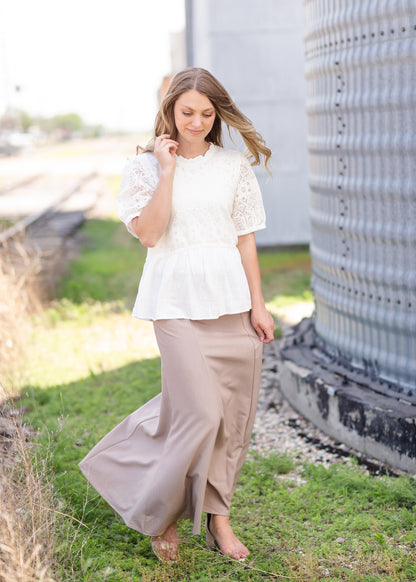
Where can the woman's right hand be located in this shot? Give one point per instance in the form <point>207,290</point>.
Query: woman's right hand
<point>154,217</point>
<point>164,150</point>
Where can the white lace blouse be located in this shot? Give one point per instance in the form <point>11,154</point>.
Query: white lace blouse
<point>195,269</point>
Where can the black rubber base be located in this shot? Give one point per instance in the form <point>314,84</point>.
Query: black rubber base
<point>373,416</point>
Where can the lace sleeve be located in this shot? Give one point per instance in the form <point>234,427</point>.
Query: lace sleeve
<point>248,211</point>
<point>138,182</point>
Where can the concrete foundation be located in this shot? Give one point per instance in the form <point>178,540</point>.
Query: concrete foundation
<point>368,414</point>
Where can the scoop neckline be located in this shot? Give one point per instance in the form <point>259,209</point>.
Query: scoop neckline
<point>200,157</point>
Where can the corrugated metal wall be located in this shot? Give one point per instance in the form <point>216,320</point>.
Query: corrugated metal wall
<point>361,84</point>
<point>256,49</point>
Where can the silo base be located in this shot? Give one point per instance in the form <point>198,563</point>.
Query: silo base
<point>364,413</point>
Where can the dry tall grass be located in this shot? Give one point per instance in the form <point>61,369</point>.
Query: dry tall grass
<point>27,517</point>
<point>19,297</point>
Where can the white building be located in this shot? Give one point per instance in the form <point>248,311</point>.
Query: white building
<point>255,48</point>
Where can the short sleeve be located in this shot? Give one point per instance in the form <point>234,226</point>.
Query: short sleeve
<point>248,211</point>
<point>138,183</point>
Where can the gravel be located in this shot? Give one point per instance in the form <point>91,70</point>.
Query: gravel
<point>278,428</point>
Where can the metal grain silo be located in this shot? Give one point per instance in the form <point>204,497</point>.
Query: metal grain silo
<point>361,102</point>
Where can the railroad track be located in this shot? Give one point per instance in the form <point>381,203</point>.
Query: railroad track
<point>28,204</point>
<point>15,184</point>
<point>39,217</point>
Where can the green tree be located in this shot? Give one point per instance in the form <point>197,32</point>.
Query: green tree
<point>68,121</point>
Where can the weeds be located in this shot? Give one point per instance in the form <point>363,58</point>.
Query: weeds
<point>19,297</point>
<point>27,518</point>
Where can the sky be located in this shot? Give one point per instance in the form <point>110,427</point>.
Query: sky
<point>103,60</point>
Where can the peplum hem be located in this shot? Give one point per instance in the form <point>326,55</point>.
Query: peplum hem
<point>209,281</point>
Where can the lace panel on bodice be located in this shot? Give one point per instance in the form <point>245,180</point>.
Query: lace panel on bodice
<point>215,198</point>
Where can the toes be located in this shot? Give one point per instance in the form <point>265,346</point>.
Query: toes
<point>240,554</point>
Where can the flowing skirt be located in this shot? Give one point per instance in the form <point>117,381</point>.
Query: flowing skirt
<point>181,453</point>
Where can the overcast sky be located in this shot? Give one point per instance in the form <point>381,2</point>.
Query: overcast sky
<point>103,60</point>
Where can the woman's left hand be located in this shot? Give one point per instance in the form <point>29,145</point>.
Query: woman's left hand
<point>263,323</point>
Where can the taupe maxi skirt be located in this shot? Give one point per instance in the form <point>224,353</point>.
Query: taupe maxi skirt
<point>181,453</point>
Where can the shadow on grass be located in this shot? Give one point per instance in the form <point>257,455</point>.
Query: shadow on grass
<point>276,516</point>
<point>71,418</point>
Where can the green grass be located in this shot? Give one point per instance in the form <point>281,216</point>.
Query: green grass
<point>109,267</point>
<point>91,364</point>
<point>285,277</point>
<point>6,223</point>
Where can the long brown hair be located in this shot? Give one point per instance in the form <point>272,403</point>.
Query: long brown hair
<point>202,81</point>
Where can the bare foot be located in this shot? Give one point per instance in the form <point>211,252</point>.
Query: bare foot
<point>226,539</point>
<point>165,546</point>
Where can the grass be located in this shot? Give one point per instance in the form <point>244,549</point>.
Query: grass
<point>109,267</point>
<point>19,297</point>
<point>27,543</point>
<point>6,223</point>
<point>285,277</point>
<point>90,364</point>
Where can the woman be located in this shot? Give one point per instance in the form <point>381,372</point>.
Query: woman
<point>195,205</point>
